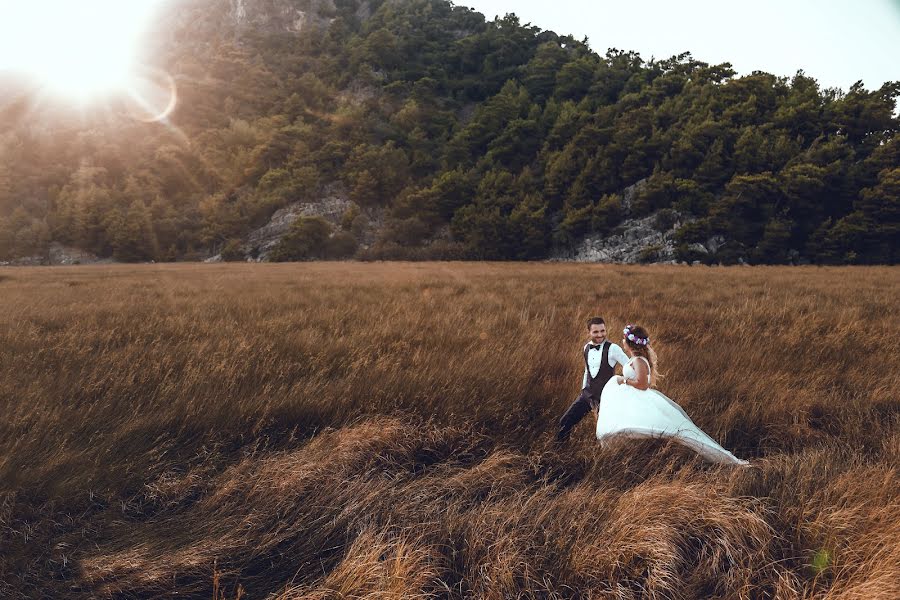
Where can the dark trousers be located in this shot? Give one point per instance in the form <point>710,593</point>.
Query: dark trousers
<point>582,406</point>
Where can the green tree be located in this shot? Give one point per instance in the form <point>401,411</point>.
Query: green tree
<point>490,119</point>
<point>775,243</point>
<point>132,235</point>
<point>608,213</point>
<point>540,74</point>
<point>453,190</point>
<point>749,202</point>
<point>804,188</point>
<point>574,79</point>
<point>365,190</point>
<point>880,207</point>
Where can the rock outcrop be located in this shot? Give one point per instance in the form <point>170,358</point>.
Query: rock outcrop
<point>57,254</point>
<point>262,241</point>
<point>634,241</point>
<point>280,16</point>
<point>332,207</point>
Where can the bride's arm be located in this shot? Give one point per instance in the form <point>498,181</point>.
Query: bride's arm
<point>642,376</point>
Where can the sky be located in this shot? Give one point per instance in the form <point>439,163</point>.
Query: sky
<point>838,42</point>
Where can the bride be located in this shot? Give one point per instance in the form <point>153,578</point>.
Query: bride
<point>630,407</point>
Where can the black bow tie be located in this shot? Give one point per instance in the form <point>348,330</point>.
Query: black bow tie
<point>593,347</point>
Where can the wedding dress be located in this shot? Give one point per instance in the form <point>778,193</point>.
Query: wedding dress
<point>628,411</point>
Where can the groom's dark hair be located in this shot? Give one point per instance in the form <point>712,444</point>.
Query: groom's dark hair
<point>595,321</point>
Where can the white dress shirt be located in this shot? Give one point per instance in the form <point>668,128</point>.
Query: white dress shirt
<point>616,355</point>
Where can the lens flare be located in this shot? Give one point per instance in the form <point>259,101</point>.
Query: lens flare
<point>151,95</point>
<point>81,51</point>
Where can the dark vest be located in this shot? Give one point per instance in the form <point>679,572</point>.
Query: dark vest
<point>604,373</point>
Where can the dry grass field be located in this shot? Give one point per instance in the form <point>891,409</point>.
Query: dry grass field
<point>324,431</point>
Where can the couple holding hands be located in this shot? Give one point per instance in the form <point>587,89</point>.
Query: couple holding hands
<point>627,405</point>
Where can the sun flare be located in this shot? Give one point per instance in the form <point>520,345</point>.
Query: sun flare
<point>81,50</point>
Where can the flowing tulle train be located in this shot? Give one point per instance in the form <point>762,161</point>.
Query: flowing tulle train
<point>629,412</point>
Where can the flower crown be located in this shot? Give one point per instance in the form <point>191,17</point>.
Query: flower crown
<point>631,337</point>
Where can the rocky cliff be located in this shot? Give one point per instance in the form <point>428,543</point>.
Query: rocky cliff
<point>279,16</point>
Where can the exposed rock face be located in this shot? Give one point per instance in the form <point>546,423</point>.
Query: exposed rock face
<point>65,255</point>
<point>630,192</point>
<point>642,241</point>
<point>634,241</point>
<point>196,22</point>
<point>290,16</point>
<point>648,239</point>
<point>332,207</point>
<point>262,241</point>
<point>57,254</point>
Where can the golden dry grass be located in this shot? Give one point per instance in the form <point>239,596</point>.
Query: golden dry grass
<point>383,431</point>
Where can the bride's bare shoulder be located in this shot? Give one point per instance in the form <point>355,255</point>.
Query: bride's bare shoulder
<point>642,366</point>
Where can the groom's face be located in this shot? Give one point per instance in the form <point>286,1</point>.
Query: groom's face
<point>598,333</point>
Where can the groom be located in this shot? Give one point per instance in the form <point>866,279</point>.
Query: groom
<point>600,358</point>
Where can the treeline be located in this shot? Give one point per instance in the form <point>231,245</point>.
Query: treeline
<point>465,138</point>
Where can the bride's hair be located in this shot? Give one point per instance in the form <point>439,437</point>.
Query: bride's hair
<point>638,341</point>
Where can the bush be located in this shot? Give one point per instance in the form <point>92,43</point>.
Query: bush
<point>649,253</point>
<point>665,219</point>
<point>608,213</point>
<point>406,232</point>
<point>658,192</point>
<point>341,245</point>
<point>684,253</point>
<point>349,217</point>
<point>233,251</point>
<point>306,240</point>
<point>437,250</point>
<point>695,232</point>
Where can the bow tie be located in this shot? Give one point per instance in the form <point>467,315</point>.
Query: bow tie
<point>593,347</point>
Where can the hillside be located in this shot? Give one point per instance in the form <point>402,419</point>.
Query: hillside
<point>448,136</point>
<point>322,430</point>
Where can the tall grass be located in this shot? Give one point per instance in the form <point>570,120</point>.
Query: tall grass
<point>384,431</point>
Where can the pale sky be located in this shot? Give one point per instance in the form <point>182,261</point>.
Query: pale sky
<point>835,41</point>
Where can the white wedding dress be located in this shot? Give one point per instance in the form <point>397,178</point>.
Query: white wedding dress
<point>630,412</point>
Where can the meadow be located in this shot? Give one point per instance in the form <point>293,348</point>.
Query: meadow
<point>350,430</point>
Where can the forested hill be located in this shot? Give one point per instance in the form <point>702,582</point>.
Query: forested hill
<point>448,136</point>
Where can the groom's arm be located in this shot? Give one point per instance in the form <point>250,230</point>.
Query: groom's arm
<point>618,355</point>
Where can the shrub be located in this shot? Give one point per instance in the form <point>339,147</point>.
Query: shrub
<point>665,219</point>
<point>406,232</point>
<point>695,232</point>
<point>305,240</point>
<point>340,245</point>
<point>649,253</point>
<point>608,213</point>
<point>233,251</point>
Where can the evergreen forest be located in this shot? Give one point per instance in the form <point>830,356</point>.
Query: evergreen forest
<point>454,137</point>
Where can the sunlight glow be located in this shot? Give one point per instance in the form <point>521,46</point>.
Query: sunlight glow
<point>79,49</point>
